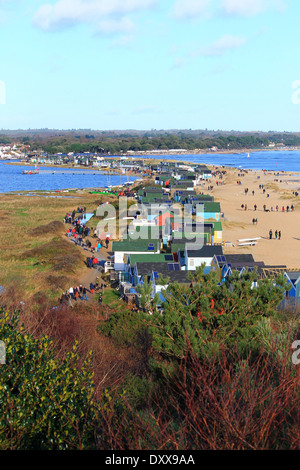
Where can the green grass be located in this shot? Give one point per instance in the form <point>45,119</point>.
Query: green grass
<point>111,298</point>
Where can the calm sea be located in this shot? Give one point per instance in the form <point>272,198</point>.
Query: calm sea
<point>266,160</point>
<point>12,179</point>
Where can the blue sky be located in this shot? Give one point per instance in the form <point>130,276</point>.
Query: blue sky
<point>150,64</point>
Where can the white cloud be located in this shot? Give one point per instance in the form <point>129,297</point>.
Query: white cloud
<point>107,15</point>
<point>221,46</point>
<point>248,8</point>
<point>198,9</point>
<point>218,48</point>
<point>190,8</point>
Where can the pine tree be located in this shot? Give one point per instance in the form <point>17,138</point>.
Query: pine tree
<point>205,315</point>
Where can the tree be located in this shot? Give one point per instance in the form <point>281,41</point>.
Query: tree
<point>45,403</point>
<point>148,301</point>
<point>203,316</point>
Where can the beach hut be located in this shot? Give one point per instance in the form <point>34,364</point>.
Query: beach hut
<point>194,257</point>
<point>120,249</point>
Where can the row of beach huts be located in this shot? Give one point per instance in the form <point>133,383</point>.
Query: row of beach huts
<point>176,227</point>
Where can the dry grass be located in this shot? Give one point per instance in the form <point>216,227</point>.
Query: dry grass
<point>289,195</point>
<point>231,225</point>
<point>34,253</point>
<point>53,227</point>
<point>272,187</point>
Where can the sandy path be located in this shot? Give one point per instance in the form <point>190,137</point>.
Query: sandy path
<point>89,275</point>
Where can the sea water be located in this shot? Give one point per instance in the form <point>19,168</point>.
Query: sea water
<point>288,161</point>
<point>54,179</point>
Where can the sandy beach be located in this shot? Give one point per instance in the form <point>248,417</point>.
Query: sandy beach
<point>238,222</point>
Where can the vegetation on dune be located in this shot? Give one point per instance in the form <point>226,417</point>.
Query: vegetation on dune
<point>201,376</point>
<point>51,227</point>
<point>45,402</point>
<point>34,254</point>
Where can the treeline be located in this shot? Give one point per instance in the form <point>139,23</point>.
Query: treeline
<point>215,371</point>
<point>108,143</point>
<point>122,145</point>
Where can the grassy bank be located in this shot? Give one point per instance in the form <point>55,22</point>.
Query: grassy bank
<point>35,255</point>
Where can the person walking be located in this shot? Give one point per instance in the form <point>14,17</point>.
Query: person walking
<point>270,234</point>
<point>84,296</point>
<point>276,233</point>
<point>279,235</point>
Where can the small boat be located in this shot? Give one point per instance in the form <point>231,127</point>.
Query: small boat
<point>30,172</point>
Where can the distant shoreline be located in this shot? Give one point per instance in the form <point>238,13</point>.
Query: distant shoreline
<point>211,152</point>
<point>116,171</point>
<point>174,152</point>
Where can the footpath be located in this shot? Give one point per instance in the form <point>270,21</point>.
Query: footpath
<point>91,275</point>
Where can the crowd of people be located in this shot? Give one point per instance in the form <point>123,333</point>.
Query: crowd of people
<point>290,208</point>
<point>277,234</point>
<point>80,293</point>
<point>78,232</point>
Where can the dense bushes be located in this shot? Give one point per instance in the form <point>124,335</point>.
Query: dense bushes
<point>204,375</point>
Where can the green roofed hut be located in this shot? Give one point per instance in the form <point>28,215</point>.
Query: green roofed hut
<point>120,249</point>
